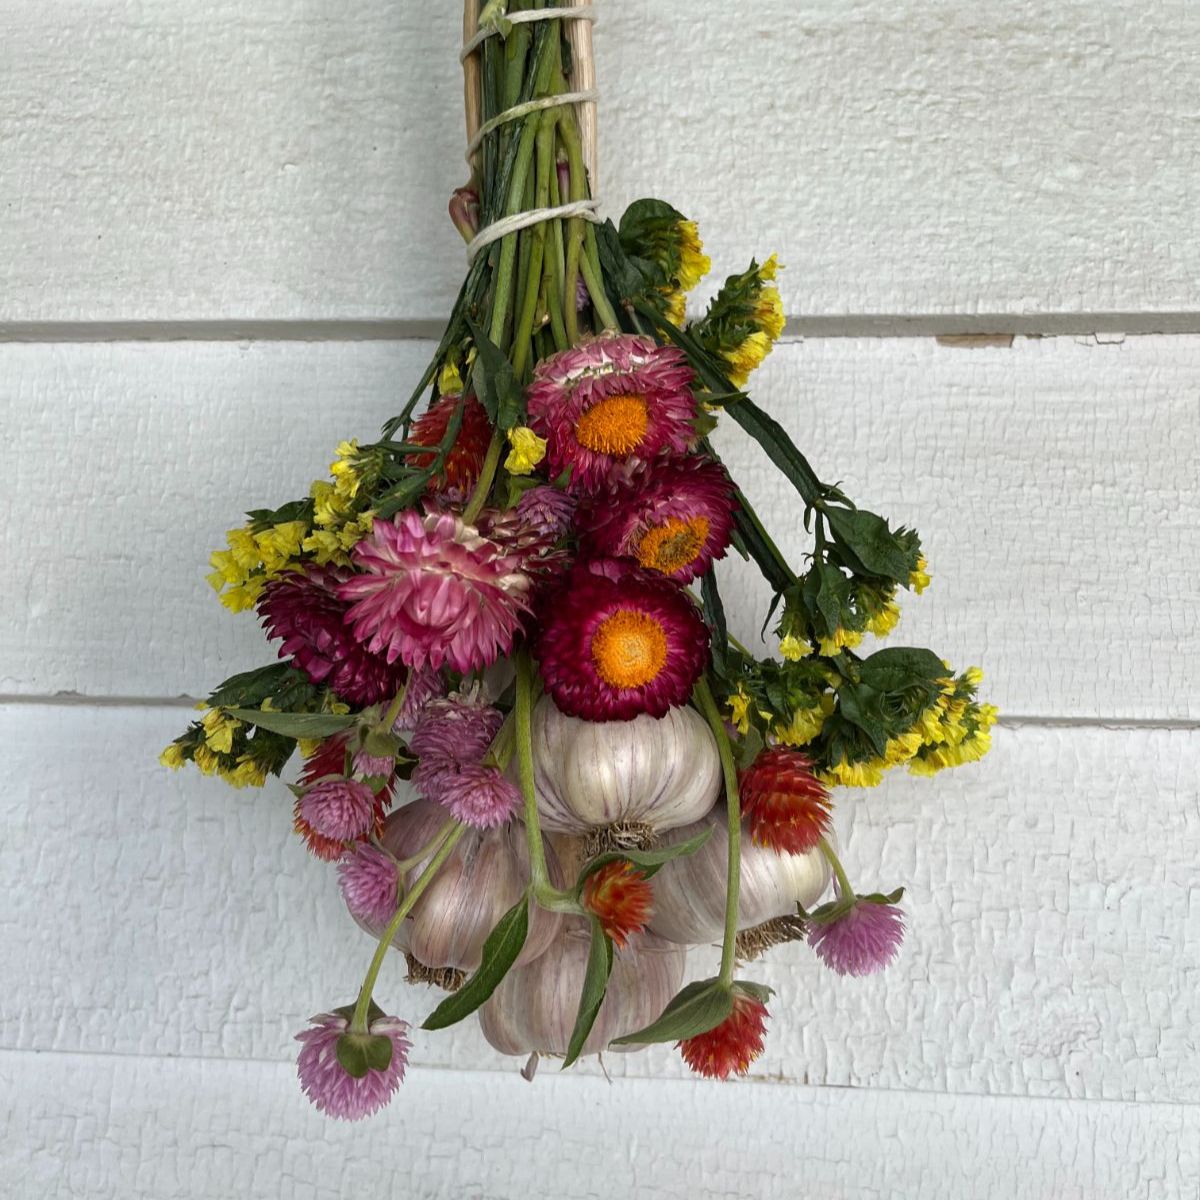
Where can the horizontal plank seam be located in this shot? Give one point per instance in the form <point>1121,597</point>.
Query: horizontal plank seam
<point>798,327</point>
<point>1010,720</point>
<point>657,1080</point>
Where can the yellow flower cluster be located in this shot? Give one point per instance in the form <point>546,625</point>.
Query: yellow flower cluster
<point>919,579</point>
<point>214,755</point>
<point>951,731</point>
<point>694,264</point>
<point>527,450</point>
<point>841,639</point>
<point>806,723</point>
<point>767,316</point>
<point>240,572</point>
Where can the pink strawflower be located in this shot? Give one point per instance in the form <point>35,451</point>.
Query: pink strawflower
<point>619,641</point>
<point>862,940</point>
<point>338,808</point>
<point>433,591</point>
<point>475,794</point>
<point>677,520</point>
<point>327,1083</point>
<point>304,610</point>
<point>368,879</point>
<point>608,403</point>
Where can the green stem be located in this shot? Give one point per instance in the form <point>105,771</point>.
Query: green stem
<point>537,235</point>
<point>358,1023</point>
<point>486,477</point>
<point>733,871</point>
<point>407,864</point>
<point>544,892</point>
<point>595,287</point>
<point>844,885</point>
<point>397,704</point>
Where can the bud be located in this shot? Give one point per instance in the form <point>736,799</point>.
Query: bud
<point>464,211</point>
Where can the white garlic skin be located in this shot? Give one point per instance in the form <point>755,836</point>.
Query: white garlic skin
<point>535,1006</point>
<point>660,772</point>
<point>689,893</point>
<point>480,881</point>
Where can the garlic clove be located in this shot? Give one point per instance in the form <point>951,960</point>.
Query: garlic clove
<point>689,893</point>
<point>534,1008</point>
<point>480,881</point>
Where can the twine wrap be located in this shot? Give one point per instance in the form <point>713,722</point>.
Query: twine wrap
<point>580,17</point>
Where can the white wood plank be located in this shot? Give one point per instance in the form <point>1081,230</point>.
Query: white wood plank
<point>1054,483</point>
<point>170,162</point>
<point>167,1129</point>
<point>1054,944</point>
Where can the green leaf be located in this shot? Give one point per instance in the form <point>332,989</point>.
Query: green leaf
<point>867,536</point>
<point>826,593</point>
<point>352,1054</point>
<point>780,448</point>
<point>591,996</point>
<point>647,861</point>
<point>500,951</point>
<point>899,667</point>
<point>862,707</point>
<point>293,510</point>
<point>699,1007</point>
<point>759,991</point>
<point>253,687</point>
<point>494,382</point>
<point>295,725</point>
<point>379,1052</point>
<point>628,276</point>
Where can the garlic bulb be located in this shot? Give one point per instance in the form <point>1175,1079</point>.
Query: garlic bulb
<point>480,881</point>
<point>534,1008</point>
<point>689,893</point>
<point>653,772</point>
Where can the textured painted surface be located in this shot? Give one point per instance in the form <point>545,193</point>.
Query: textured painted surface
<point>165,1129</point>
<point>1054,482</point>
<point>1054,946</point>
<point>268,160</point>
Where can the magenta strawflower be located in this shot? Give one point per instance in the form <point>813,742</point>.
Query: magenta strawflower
<point>608,403</point>
<point>620,641</point>
<point>475,794</point>
<point>433,591</point>
<point>368,879</point>
<point>677,520</point>
<point>330,1086</point>
<point>338,808</point>
<point>860,941</point>
<point>304,610</point>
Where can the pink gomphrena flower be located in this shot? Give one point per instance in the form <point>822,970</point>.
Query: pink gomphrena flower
<point>424,685</point>
<point>475,794</point>
<point>374,766</point>
<point>732,1046</point>
<point>608,403</point>
<point>457,729</point>
<point>434,591</point>
<point>330,1086</point>
<point>548,510</point>
<point>328,762</point>
<point>675,521</point>
<point>303,609</point>
<point>340,809</point>
<point>369,881</point>
<point>861,939</point>
<point>620,641</point>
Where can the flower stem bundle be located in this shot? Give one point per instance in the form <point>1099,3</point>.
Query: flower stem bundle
<point>545,769</point>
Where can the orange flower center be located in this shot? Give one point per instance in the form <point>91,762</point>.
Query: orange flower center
<point>673,544</point>
<point>629,649</point>
<point>614,425</point>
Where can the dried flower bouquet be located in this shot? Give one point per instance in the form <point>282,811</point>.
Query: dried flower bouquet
<point>543,766</point>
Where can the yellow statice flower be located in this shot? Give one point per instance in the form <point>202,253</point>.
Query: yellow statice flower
<point>449,380</point>
<point>173,756</point>
<point>346,478</point>
<point>330,507</point>
<point>806,723</point>
<point>219,729</point>
<point>676,307</point>
<point>206,760</point>
<point>902,747</point>
<point>885,620</point>
<point>794,648</point>
<point>860,774</point>
<point>280,545</point>
<point>746,356</point>
<point>739,708</point>
<point>919,579</point>
<point>527,450</point>
<point>247,773</point>
<point>309,746</point>
<point>694,264</point>
<point>841,639</point>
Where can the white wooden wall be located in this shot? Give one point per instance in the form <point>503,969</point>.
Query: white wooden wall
<point>223,247</point>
